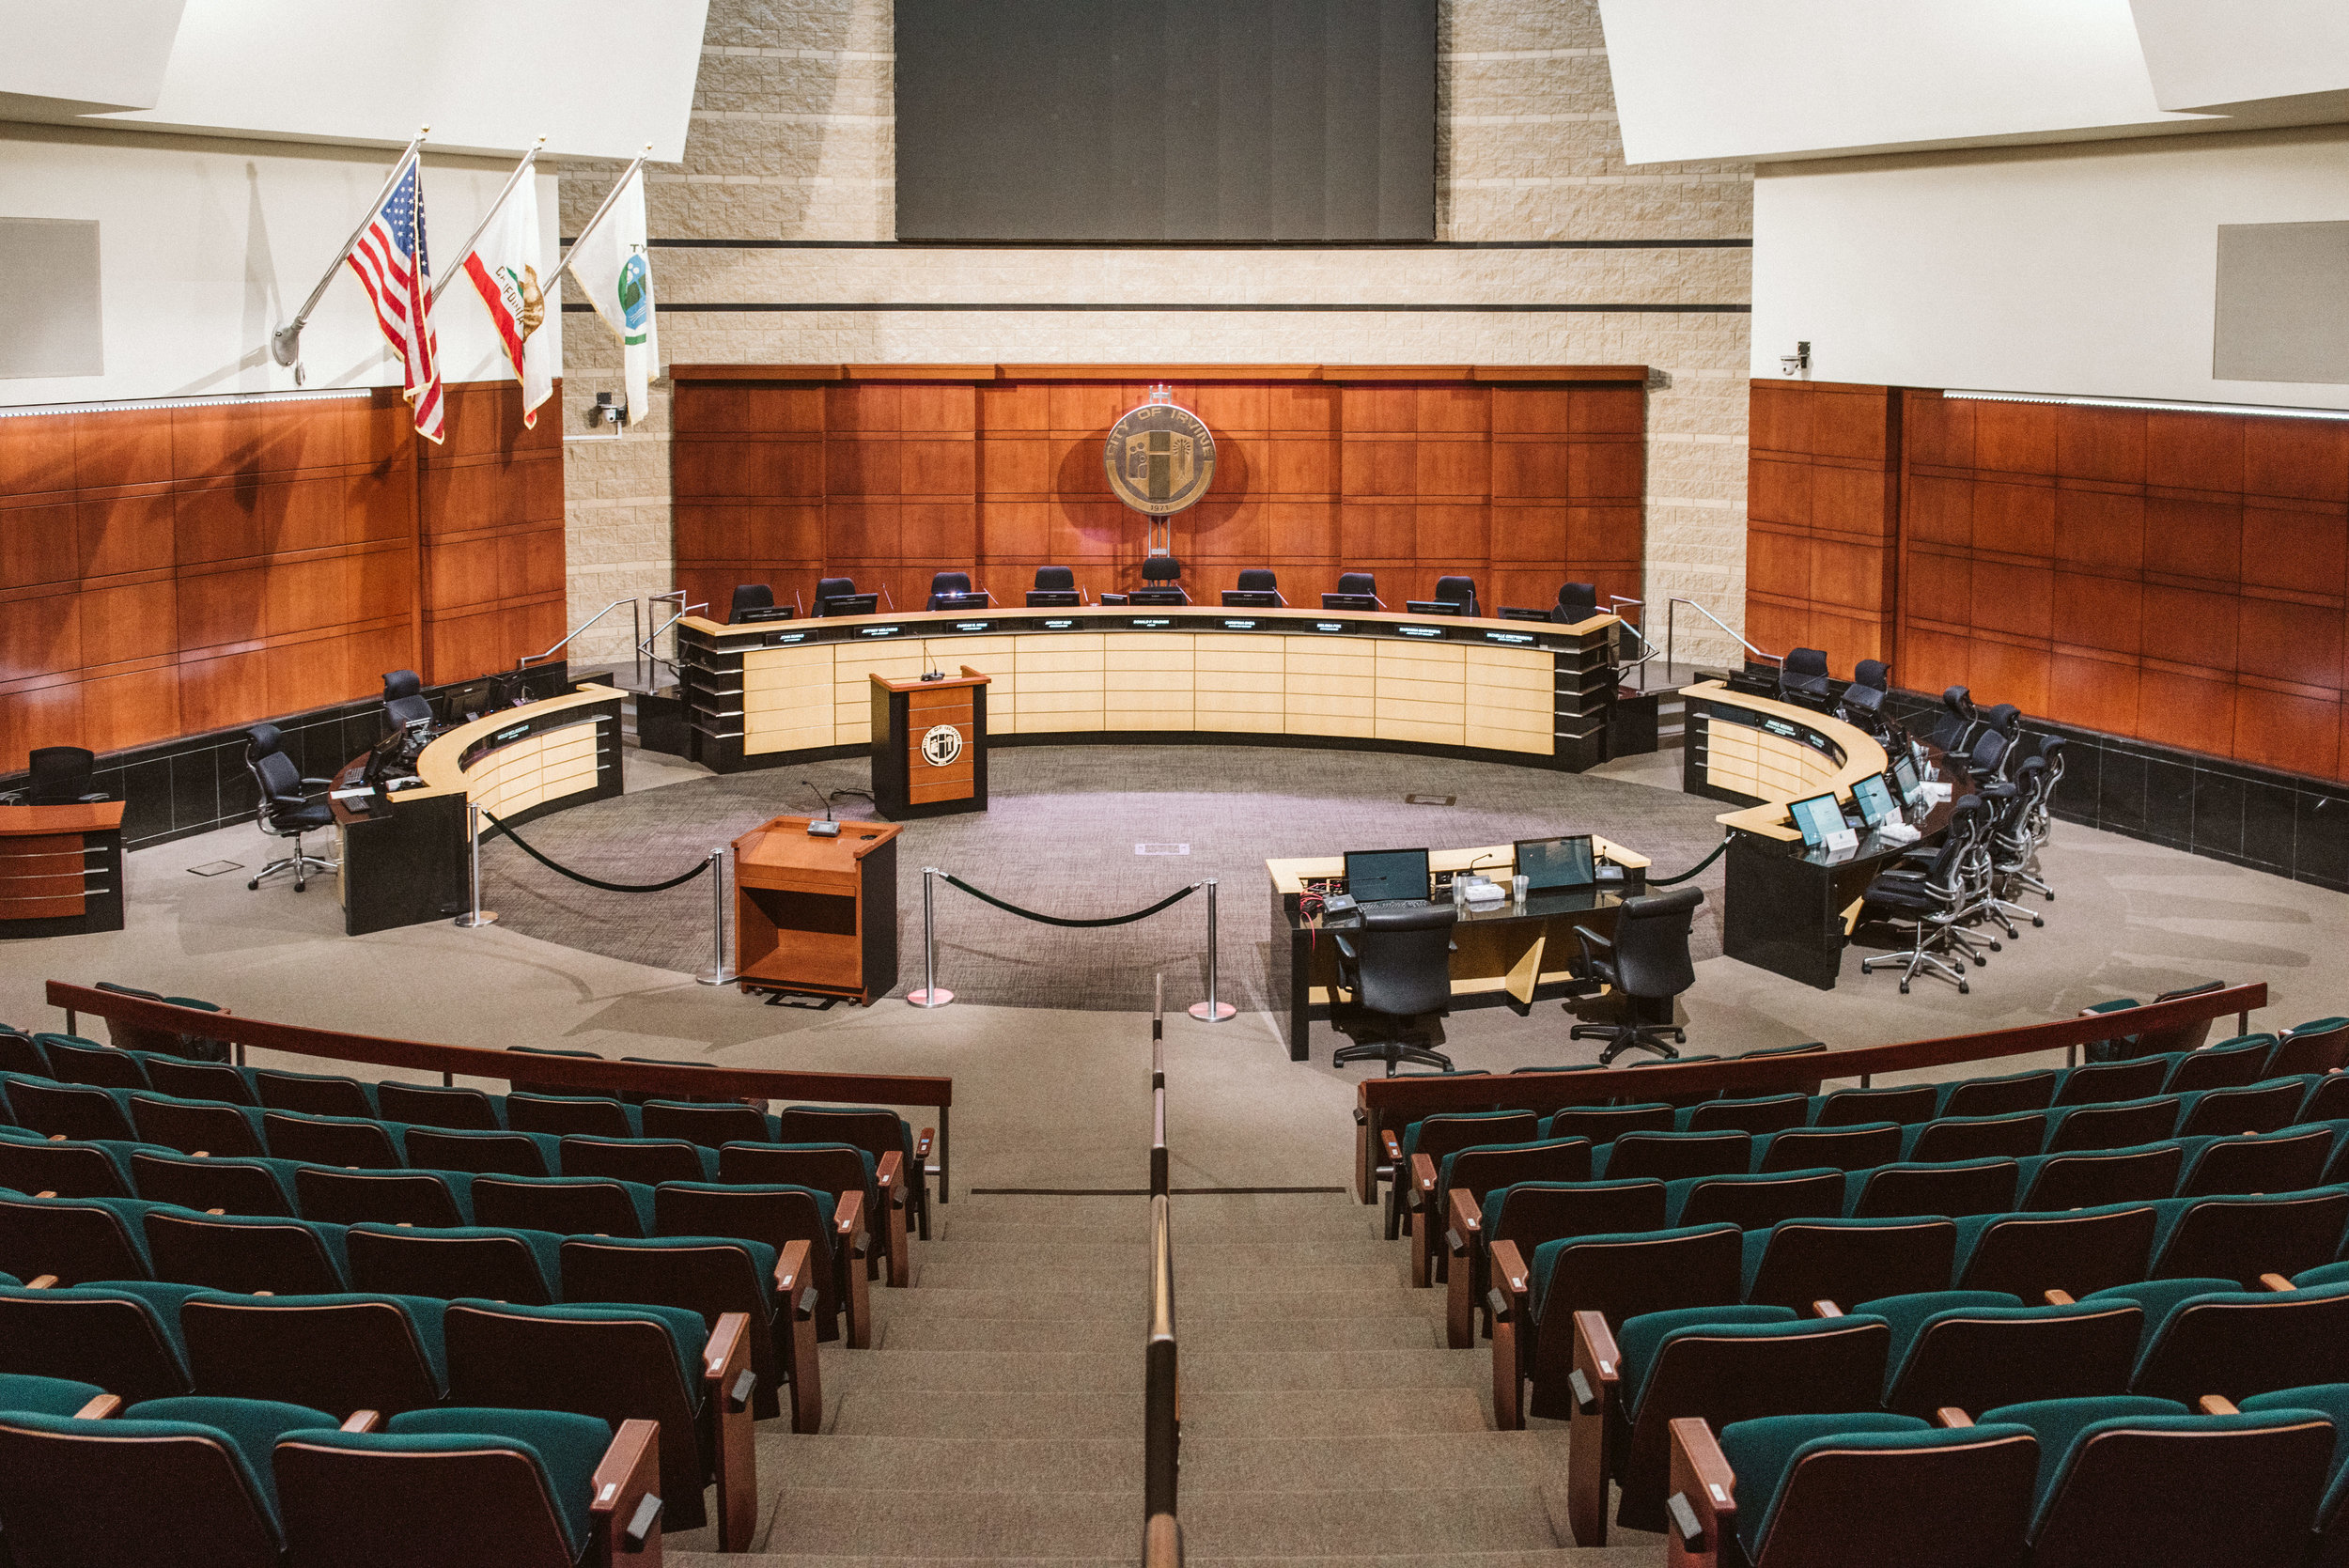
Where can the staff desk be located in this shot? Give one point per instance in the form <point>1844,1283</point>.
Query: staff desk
<point>60,869</point>
<point>1532,693</point>
<point>404,855</point>
<point>1509,953</point>
<point>1787,908</point>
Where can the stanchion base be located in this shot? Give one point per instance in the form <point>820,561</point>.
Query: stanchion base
<point>715,977</point>
<point>937,997</point>
<point>484,917</point>
<point>1212,1012</point>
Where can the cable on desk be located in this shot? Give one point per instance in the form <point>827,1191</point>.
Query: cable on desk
<point>497,828</point>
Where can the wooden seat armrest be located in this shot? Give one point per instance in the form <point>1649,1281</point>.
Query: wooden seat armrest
<point>1702,1506</point>
<point>1953,1418</point>
<point>100,1408</point>
<point>1597,1364</point>
<point>889,1175</point>
<point>1511,1280</point>
<point>1467,1220</point>
<point>730,1382</point>
<point>2060,1299</point>
<point>847,1221</point>
<point>364,1420</point>
<point>1423,1180</point>
<point>624,1497</point>
<point>923,1141</point>
<point>2276,1282</point>
<point>1394,1146</point>
<point>2216,1404</point>
<point>791,1273</point>
<point>41,1281</point>
<point>799,1296</point>
<point>1826,1309</point>
<point>56,1138</point>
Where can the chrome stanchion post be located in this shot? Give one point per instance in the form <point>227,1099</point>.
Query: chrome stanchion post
<point>931,995</point>
<point>1212,1010</point>
<point>475,915</point>
<point>716,974</point>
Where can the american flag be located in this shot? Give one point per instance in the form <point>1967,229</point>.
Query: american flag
<point>392,265</point>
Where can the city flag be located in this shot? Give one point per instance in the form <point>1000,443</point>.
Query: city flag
<point>615,269</point>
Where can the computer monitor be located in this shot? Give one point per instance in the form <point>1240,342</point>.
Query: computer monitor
<point>1519,612</point>
<point>1251,598</point>
<point>1875,803</point>
<point>1434,607</point>
<point>1054,598</point>
<point>1349,602</point>
<point>963,602</point>
<point>772,613</point>
<point>849,604</point>
<point>1158,596</point>
<point>1819,817</point>
<point>1904,774</point>
<point>1380,875</point>
<point>1557,865</point>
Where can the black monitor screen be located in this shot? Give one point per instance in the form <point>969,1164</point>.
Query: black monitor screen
<point>769,612</point>
<point>1549,864</point>
<point>1251,598</point>
<point>1905,773</point>
<point>1434,607</point>
<point>1375,874</point>
<point>1048,598</point>
<point>1519,612</point>
<point>1818,817</point>
<point>1874,801</point>
<point>1349,602</point>
<point>1158,596</point>
<point>851,604</point>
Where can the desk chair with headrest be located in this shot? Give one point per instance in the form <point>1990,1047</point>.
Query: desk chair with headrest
<point>1363,583</point>
<point>283,810</point>
<point>1864,699</point>
<point>1802,677</point>
<point>60,776</point>
<point>403,699</point>
<point>1398,964</point>
<point>750,595</point>
<point>1260,580</point>
<point>1577,603</point>
<point>829,588</point>
<point>1458,590</point>
<point>1163,572</point>
<point>1054,580</point>
<point>1646,962</point>
<point>945,585</point>
<point>1954,731</point>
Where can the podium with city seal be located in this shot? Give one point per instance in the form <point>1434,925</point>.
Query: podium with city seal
<point>929,745</point>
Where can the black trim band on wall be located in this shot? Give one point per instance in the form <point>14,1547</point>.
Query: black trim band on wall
<point>760,307</point>
<point>685,244</point>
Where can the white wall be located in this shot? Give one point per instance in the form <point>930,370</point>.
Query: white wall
<point>2206,53</point>
<point>205,246</point>
<point>87,55</point>
<point>1777,79</point>
<point>2082,270</point>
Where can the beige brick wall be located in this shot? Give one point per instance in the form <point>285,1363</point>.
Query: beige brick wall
<point>793,138</point>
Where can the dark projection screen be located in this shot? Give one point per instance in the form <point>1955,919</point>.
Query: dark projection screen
<point>1182,120</point>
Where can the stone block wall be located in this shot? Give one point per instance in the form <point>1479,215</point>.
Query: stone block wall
<point>792,150</point>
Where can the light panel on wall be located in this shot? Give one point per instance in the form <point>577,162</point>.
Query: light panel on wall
<point>2154,404</point>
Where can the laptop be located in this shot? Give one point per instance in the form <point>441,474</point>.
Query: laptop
<point>1557,865</point>
<point>1386,879</point>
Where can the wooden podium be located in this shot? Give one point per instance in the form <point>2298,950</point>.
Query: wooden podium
<point>929,746</point>
<point>816,915</point>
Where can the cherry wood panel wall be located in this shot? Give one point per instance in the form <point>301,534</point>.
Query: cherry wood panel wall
<point>1522,478</point>
<point>173,570</point>
<point>2176,578</point>
<point>1823,508</point>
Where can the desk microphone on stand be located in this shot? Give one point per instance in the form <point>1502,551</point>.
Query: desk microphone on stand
<point>827,827</point>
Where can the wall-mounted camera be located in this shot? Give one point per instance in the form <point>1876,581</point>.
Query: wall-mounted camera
<point>613,410</point>
<point>1797,363</point>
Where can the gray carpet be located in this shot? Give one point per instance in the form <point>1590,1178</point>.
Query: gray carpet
<point>1060,838</point>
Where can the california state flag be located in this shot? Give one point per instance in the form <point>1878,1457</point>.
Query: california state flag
<point>506,267</point>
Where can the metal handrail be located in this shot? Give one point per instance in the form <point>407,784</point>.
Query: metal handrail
<point>636,629</point>
<point>645,654</point>
<point>1162,1401</point>
<point>1671,605</point>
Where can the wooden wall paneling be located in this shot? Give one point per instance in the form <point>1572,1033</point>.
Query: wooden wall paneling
<point>1825,526</point>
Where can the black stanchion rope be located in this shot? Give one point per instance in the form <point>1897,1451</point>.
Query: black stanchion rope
<point>1170,899</point>
<point>1668,881</point>
<point>499,828</point>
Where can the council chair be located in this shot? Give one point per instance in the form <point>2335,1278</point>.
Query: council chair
<point>1863,702</point>
<point>1577,603</point>
<point>1647,964</point>
<point>749,596</point>
<point>1458,590</point>
<point>1053,581</point>
<point>1398,967</point>
<point>58,776</point>
<point>830,588</point>
<point>404,701</point>
<point>948,589</point>
<point>1360,584</point>
<point>1933,902</point>
<point>1260,580</point>
<point>283,809</point>
<point>1803,678</point>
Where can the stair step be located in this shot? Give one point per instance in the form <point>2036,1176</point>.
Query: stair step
<point>1194,1253</point>
<point>1438,1460</point>
<point>997,1417</point>
<point>1292,1413</point>
<point>1236,1370</point>
<point>955,1373</point>
<point>899,1520</point>
<point>1199,1332</point>
<point>1365,1519</point>
<point>832,1460</point>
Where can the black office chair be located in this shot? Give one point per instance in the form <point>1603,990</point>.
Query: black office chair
<point>1361,582</point>
<point>946,586</point>
<point>1163,572</point>
<point>1647,962</point>
<point>403,701</point>
<point>750,595</point>
<point>1054,580</point>
<point>1577,603</point>
<point>829,588</point>
<point>1458,590</point>
<point>60,776</point>
<point>1864,699</point>
<point>1260,580</point>
<point>1933,902</point>
<point>283,810</point>
<point>1954,732</point>
<point>1802,677</point>
<point>1398,964</point>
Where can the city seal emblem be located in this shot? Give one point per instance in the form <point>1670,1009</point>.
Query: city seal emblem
<point>1160,456</point>
<point>941,745</point>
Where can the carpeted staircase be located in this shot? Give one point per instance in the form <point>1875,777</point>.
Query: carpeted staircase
<point>998,1417</point>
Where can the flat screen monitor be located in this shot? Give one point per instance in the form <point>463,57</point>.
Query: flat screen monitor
<point>1434,607</point>
<point>1382,876</point>
<point>772,613</point>
<point>1251,598</point>
<point>1158,596</point>
<point>1904,774</point>
<point>1519,612</point>
<point>1557,865</point>
<point>1053,598</point>
<point>1818,817</point>
<point>1874,801</point>
<point>1349,602</point>
<point>849,604</point>
<point>965,602</point>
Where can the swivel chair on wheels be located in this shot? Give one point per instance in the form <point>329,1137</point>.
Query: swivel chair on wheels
<point>59,776</point>
<point>284,811</point>
<point>1647,964</point>
<point>1398,964</point>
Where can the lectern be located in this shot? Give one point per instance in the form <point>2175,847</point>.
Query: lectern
<point>929,746</point>
<point>816,916</point>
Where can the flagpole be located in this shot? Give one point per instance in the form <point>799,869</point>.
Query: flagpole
<point>609,197</point>
<point>285,343</point>
<point>481,228</point>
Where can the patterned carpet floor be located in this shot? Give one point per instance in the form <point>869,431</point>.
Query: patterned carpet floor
<point>1061,837</point>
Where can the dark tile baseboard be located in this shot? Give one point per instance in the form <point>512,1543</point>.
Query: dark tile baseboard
<point>193,784</point>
